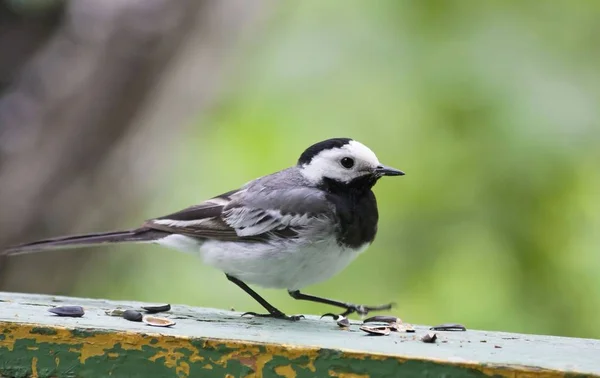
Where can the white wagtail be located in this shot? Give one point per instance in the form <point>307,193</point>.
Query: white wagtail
<point>290,229</point>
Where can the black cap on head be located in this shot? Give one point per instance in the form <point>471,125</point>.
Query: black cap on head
<point>314,150</point>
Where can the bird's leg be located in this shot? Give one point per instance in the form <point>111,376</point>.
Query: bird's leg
<point>273,311</point>
<point>350,307</point>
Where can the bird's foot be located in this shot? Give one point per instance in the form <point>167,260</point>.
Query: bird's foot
<point>276,315</point>
<point>364,309</point>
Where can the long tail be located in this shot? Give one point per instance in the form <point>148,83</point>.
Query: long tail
<point>139,235</point>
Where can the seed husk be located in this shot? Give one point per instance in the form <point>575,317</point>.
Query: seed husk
<point>115,312</point>
<point>376,331</point>
<point>71,311</point>
<point>157,309</point>
<point>343,322</point>
<point>157,322</point>
<point>429,338</point>
<point>449,327</point>
<point>383,319</point>
<point>133,315</point>
<point>393,323</point>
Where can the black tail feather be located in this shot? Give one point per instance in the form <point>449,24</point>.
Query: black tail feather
<point>138,235</point>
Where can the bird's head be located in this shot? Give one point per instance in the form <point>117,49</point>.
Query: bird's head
<point>343,161</point>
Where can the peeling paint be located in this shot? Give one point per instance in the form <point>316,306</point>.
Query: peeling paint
<point>286,371</point>
<point>346,375</point>
<point>34,372</point>
<point>183,370</point>
<point>52,351</point>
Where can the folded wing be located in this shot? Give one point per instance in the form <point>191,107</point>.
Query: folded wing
<point>254,215</point>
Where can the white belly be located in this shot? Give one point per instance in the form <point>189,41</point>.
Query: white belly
<point>284,266</point>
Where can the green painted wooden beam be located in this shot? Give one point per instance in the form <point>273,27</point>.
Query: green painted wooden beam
<point>215,343</point>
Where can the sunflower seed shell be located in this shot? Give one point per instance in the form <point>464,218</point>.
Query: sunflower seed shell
<point>70,311</point>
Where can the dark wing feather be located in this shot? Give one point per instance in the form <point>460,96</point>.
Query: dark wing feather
<point>248,214</point>
<point>202,221</point>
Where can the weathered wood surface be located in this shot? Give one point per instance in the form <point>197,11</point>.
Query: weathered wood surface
<point>216,343</point>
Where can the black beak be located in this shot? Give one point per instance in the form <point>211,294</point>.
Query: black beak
<point>383,170</point>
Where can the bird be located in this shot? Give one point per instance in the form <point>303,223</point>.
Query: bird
<point>287,230</point>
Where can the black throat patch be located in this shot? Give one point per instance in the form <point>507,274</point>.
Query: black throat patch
<point>356,208</point>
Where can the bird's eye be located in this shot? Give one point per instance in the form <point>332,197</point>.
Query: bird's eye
<point>347,162</point>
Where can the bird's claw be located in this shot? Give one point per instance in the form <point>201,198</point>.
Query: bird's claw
<point>365,310</point>
<point>275,315</point>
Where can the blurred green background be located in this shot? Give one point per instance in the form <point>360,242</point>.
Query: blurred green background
<point>491,108</point>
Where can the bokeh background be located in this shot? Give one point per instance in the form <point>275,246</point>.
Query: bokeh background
<point>112,114</point>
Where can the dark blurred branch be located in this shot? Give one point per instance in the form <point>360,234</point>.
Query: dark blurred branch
<point>81,123</point>
<point>21,34</point>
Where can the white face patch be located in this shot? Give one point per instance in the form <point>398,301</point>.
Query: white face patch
<point>327,163</point>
